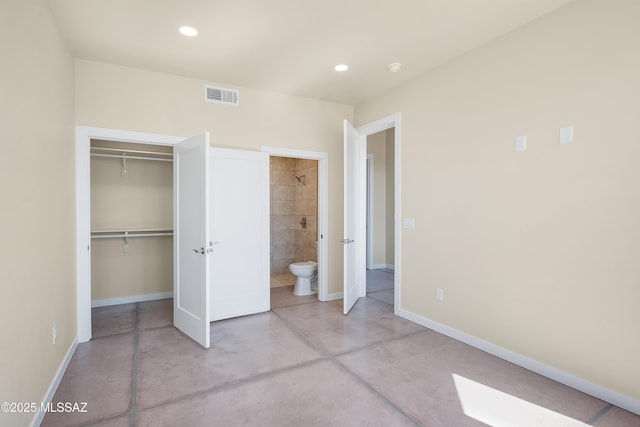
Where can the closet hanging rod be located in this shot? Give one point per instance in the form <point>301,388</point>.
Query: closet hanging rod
<point>121,156</point>
<point>126,234</point>
<point>126,150</point>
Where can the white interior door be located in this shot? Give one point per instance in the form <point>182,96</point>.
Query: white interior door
<point>190,234</point>
<point>354,237</point>
<point>240,262</point>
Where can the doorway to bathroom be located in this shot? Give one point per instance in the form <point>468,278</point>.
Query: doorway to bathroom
<point>298,200</point>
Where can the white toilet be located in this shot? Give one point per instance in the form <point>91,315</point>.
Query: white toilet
<point>306,277</point>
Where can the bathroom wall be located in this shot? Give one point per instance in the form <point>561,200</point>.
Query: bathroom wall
<point>292,200</point>
<point>306,200</point>
<point>283,218</point>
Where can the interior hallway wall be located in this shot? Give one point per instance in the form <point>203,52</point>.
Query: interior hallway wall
<point>376,146</point>
<point>37,240</point>
<point>118,97</point>
<point>390,171</point>
<point>537,251</point>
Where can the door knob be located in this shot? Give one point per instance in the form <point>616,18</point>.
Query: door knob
<point>199,251</point>
<point>346,241</point>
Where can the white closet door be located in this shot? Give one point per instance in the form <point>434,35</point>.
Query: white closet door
<point>240,224</point>
<point>190,219</point>
<point>354,238</point>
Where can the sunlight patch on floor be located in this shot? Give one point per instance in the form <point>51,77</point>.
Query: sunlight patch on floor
<point>499,409</point>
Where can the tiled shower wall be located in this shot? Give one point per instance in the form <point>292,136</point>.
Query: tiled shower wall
<point>292,200</point>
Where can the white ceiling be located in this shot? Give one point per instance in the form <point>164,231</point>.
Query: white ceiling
<point>290,46</point>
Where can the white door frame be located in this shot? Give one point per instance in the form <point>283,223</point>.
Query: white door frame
<point>323,209</point>
<point>392,121</point>
<point>84,135</point>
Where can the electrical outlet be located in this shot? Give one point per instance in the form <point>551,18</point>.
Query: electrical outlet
<point>439,294</point>
<point>55,333</point>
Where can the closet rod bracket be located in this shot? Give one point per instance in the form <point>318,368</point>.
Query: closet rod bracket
<point>124,164</point>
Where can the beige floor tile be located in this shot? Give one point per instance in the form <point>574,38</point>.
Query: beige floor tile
<point>368,322</point>
<point>154,314</point>
<point>317,395</point>
<point>285,279</point>
<point>99,374</point>
<point>114,319</point>
<point>616,417</point>
<point>416,373</point>
<point>172,365</point>
<point>284,297</point>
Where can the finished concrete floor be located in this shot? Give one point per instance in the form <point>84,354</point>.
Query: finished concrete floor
<point>302,364</point>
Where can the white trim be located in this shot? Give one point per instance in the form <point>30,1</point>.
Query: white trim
<point>608,395</point>
<point>127,300</point>
<point>323,210</point>
<point>388,122</point>
<point>381,266</point>
<point>84,135</point>
<point>53,387</point>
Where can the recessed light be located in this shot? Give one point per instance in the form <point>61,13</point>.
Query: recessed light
<point>341,67</point>
<point>394,67</point>
<point>188,31</point>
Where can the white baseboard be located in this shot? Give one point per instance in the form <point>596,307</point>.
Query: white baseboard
<point>48,397</point>
<point>333,297</point>
<point>595,390</point>
<point>133,298</point>
<point>381,266</point>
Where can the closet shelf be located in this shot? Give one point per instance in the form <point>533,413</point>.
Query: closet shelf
<point>130,230</point>
<point>137,154</point>
<point>125,157</point>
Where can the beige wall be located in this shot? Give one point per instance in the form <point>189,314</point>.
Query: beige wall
<point>124,98</point>
<point>37,241</point>
<point>139,200</point>
<point>538,251</point>
<point>376,146</point>
<point>390,195</point>
<point>381,146</point>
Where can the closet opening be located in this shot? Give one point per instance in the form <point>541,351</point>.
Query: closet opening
<point>131,187</point>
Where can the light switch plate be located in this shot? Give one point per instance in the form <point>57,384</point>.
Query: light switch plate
<point>566,134</point>
<point>521,143</point>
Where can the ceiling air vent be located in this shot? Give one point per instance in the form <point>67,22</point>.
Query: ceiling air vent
<point>221,95</point>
